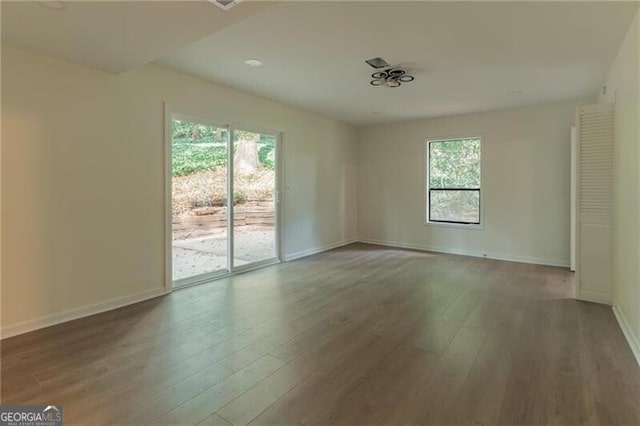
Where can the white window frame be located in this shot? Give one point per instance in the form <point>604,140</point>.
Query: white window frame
<point>426,187</point>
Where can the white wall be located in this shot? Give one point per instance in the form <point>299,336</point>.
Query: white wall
<point>622,83</point>
<point>526,177</point>
<point>82,181</point>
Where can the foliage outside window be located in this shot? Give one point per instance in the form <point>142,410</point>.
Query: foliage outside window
<point>198,147</point>
<point>453,183</point>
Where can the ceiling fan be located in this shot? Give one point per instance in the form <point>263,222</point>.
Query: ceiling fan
<point>390,77</point>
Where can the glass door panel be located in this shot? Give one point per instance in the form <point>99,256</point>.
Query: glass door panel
<point>199,196</point>
<point>254,194</point>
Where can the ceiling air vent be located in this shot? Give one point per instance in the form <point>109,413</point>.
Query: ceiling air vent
<point>225,4</point>
<point>377,63</point>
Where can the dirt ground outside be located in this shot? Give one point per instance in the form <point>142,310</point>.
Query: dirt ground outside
<point>208,189</point>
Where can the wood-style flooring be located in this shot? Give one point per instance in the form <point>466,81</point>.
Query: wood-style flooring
<point>357,335</point>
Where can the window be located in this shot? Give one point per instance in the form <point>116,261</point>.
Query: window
<point>453,181</point>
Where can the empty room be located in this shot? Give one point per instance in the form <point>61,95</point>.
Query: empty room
<point>234,212</point>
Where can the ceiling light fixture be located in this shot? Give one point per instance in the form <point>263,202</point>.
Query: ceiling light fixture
<point>392,77</point>
<point>253,63</point>
<point>53,4</point>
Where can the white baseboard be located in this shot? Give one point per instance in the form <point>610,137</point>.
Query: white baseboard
<point>72,314</point>
<point>594,296</point>
<point>533,260</point>
<point>628,333</point>
<point>316,250</point>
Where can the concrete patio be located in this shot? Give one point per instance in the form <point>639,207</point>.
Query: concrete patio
<point>195,256</point>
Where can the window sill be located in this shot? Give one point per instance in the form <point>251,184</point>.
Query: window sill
<point>473,227</point>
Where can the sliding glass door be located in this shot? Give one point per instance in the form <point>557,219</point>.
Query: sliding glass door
<point>224,209</point>
<point>199,200</point>
<point>254,192</point>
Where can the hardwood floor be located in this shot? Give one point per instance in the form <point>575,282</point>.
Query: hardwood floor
<point>362,334</point>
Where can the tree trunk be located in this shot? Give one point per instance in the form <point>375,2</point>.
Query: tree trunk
<point>195,132</point>
<point>245,159</point>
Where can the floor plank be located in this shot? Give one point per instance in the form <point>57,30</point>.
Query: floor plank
<point>362,334</point>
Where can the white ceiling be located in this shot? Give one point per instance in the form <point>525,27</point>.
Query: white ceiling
<point>466,56</point>
<point>114,36</point>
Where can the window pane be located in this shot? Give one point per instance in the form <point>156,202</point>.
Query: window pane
<point>454,164</point>
<point>455,206</point>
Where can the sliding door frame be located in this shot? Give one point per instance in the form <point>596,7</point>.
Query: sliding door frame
<point>170,113</point>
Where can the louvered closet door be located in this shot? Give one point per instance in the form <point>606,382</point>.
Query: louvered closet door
<point>595,202</point>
